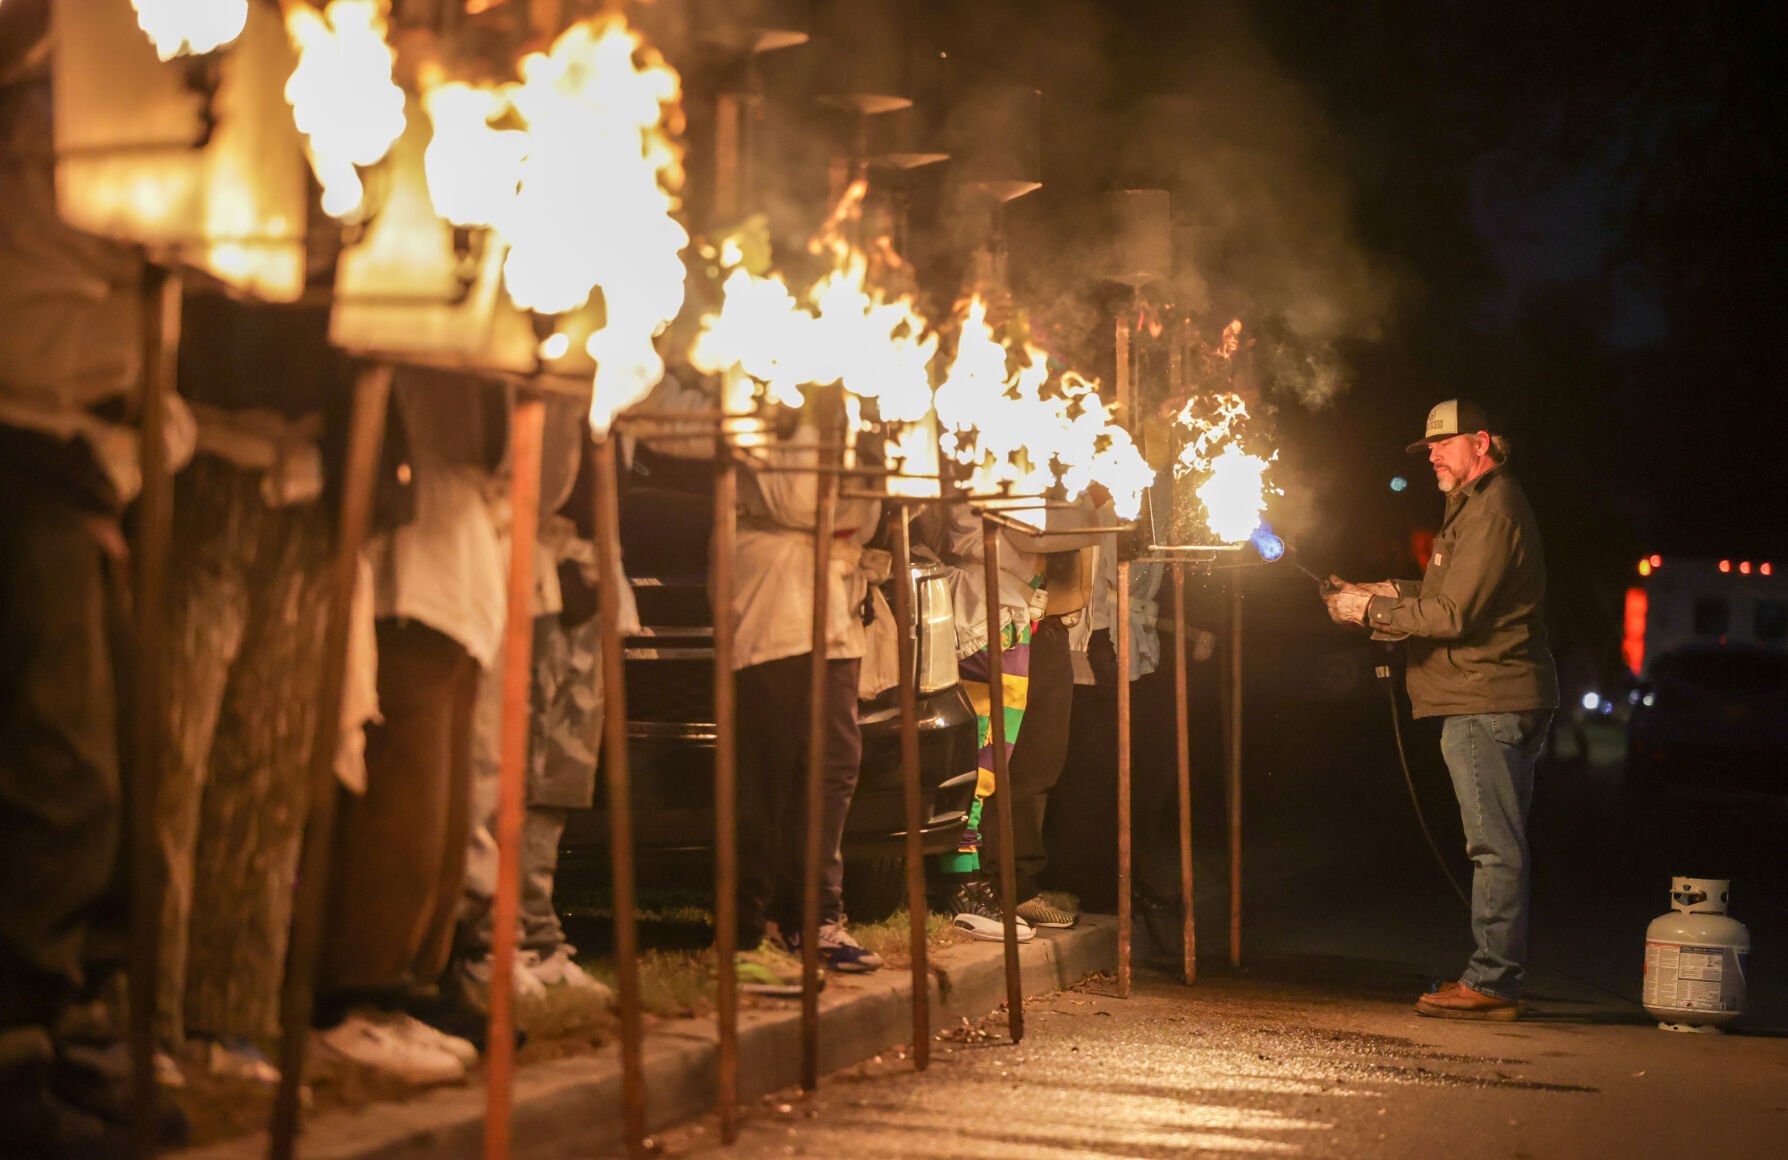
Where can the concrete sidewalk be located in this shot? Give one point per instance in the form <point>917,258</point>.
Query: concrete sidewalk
<point>572,1107</point>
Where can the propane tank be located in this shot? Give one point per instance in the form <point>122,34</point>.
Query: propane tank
<point>1695,959</point>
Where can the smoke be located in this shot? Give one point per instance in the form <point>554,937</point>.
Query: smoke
<point>1263,225</point>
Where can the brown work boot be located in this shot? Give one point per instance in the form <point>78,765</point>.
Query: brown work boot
<point>1457,1001</point>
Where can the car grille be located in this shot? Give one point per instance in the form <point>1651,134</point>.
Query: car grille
<point>676,691</point>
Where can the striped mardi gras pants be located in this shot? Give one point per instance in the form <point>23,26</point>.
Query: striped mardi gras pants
<point>1015,671</point>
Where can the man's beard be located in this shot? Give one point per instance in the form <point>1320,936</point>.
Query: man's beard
<point>1445,482</point>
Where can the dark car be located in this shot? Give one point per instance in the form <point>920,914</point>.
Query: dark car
<point>1711,719</point>
<point>666,518</point>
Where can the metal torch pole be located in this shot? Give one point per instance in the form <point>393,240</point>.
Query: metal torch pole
<point>1235,772</point>
<point>149,713</point>
<point>726,788</point>
<point>526,426</point>
<point>620,808</point>
<point>996,722</point>
<point>1122,616</point>
<point>1183,737</point>
<point>366,434</point>
<point>825,515</point>
<point>906,625</point>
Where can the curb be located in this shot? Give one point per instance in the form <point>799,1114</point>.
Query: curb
<point>572,1107</point>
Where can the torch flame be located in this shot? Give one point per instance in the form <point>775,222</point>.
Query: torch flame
<point>840,330</point>
<point>584,193</point>
<point>1235,490</point>
<point>342,95</point>
<point>190,27</point>
<point>1020,429</point>
<point>472,168</point>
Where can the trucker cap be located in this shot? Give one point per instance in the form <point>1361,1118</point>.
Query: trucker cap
<point>1453,417</point>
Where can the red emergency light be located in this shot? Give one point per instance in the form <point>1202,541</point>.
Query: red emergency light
<point>1632,635</point>
<point>1725,565</point>
<point>1744,569</point>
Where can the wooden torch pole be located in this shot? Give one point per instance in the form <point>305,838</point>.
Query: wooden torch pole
<point>526,431</point>
<point>149,710</point>
<point>726,788</point>
<point>366,434</point>
<point>1183,737</point>
<point>996,720</point>
<point>825,516</point>
<point>906,625</point>
<point>1122,616</point>
<point>620,796</point>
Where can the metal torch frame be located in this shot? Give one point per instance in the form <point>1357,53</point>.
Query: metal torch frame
<point>1179,558</point>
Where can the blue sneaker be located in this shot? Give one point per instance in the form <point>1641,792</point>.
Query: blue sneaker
<point>838,950</point>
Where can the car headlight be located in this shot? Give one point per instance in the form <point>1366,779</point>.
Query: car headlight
<point>936,617</point>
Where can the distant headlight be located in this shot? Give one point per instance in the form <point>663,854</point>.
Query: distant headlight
<point>1592,701</point>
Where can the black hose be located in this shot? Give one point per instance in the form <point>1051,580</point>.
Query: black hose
<point>1415,802</point>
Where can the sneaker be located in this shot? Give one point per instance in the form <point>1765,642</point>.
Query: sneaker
<point>767,969</point>
<point>475,977</point>
<point>978,912</point>
<point>560,969</point>
<point>380,1048</point>
<point>414,1030</point>
<point>237,1058</point>
<point>839,951</point>
<point>1039,911</point>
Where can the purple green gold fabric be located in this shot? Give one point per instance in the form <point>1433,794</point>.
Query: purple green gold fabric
<point>1015,672</point>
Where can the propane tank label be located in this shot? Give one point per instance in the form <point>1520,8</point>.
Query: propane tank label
<point>1691,978</point>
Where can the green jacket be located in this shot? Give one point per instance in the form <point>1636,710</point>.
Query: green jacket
<point>1477,618</point>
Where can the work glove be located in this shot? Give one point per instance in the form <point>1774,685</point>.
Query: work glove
<point>1348,606</point>
<point>1347,602</point>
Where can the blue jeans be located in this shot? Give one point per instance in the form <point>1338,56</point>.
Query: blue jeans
<point>1491,757</point>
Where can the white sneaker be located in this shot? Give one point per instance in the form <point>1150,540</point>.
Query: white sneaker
<point>240,1059</point>
<point>560,969</point>
<point>414,1030</point>
<point>526,983</point>
<point>378,1047</point>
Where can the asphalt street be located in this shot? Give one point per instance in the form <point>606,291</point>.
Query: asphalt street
<point>1311,1047</point>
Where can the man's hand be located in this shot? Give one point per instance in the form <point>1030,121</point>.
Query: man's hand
<point>1376,588</point>
<point>1348,605</point>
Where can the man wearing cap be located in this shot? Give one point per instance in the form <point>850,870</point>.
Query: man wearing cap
<point>1478,659</point>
